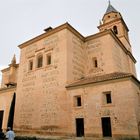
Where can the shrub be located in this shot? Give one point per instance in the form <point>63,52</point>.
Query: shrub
<point>25,138</point>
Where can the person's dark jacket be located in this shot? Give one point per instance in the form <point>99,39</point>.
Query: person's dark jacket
<point>2,136</point>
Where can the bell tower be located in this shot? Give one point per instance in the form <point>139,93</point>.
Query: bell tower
<point>113,20</point>
<point>11,79</point>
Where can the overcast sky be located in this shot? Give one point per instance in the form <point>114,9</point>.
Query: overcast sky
<point>22,20</point>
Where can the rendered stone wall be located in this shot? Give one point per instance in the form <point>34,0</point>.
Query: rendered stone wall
<point>41,98</point>
<point>121,110</point>
<point>5,78</point>
<point>76,57</point>
<point>110,57</point>
<point>9,76</point>
<point>6,96</point>
<point>43,105</point>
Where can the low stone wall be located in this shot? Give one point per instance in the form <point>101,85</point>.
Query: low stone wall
<point>72,138</point>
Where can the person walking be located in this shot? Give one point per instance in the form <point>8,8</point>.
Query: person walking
<point>10,135</point>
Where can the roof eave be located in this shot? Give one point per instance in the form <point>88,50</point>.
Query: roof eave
<point>8,68</point>
<point>115,21</point>
<point>105,80</point>
<point>7,89</point>
<point>55,30</point>
<point>105,32</point>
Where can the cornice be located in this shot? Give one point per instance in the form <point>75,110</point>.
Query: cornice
<point>7,69</point>
<point>53,31</point>
<point>105,32</point>
<point>74,31</point>
<point>109,80</point>
<point>97,35</point>
<point>6,89</point>
<point>123,47</point>
<point>118,19</point>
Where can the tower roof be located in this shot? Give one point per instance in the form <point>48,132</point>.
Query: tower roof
<point>110,8</point>
<point>13,60</point>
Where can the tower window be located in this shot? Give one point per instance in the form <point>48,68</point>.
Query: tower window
<point>115,30</point>
<point>31,65</point>
<point>94,61</point>
<point>39,61</point>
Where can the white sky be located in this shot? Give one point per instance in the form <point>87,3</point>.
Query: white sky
<point>22,20</point>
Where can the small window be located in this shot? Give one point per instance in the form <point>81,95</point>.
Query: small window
<point>107,99</point>
<point>49,59</point>
<point>94,61</point>
<point>31,65</point>
<point>39,61</point>
<point>77,101</point>
<point>115,30</point>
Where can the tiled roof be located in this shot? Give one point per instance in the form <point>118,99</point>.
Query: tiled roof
<point>101,78</point>
<point>110,8</point>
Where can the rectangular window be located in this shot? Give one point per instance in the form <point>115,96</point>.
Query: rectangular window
<point>107,99</point>
<point>40,61</point>
<point>30,65</point>
<point>94,61</point>
<point>77,101</point>
<point>49,59</point>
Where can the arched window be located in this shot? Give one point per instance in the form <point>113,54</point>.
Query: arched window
<point>115,30</point>
<point>49,59</point>
<point>39,61</point>
<point>31,65</point>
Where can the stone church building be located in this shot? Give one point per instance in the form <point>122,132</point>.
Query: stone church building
<point>68,85</point>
